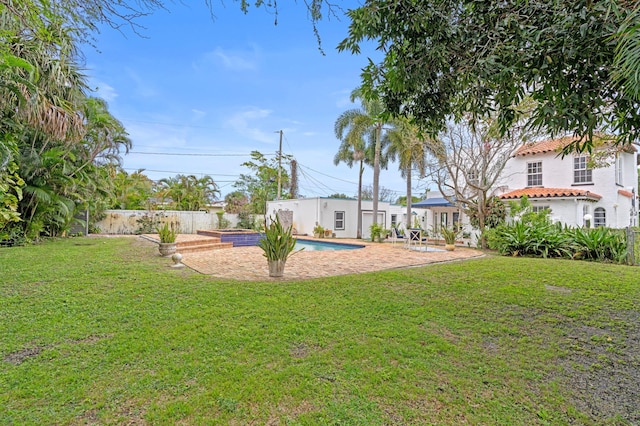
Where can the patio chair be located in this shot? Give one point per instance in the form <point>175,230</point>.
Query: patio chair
<point>396,235</point>
<point>415,239</point>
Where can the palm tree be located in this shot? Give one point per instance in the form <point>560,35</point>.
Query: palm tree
<point>188,192</point>
<point>410,149</point>
<point>362,130</point>
<point>351,150</point>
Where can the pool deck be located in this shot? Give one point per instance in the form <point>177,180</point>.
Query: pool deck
<point>248,263</point>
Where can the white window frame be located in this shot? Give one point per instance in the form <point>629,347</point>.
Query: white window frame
<point>538,209</point>
<point>618,169</point>
<point>444,219</point>
<point>337,220</point>
<point>534,173</point>
<point>582,173</point>
<point>599,217</point>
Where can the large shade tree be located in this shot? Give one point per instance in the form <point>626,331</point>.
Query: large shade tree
<point>451,57</point>
<point>261,184</point>
<point>468,161</point>
<point>57,139</point>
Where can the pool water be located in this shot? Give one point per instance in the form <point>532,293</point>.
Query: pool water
<point>321,245</point>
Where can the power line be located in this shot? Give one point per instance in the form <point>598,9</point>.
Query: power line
<point>329,176</point>
<point>188,154</point>
<point>185,173</point>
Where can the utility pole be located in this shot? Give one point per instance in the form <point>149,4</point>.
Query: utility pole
<point>279,167</point>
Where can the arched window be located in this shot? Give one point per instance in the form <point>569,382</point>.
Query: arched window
<point>599,217</point>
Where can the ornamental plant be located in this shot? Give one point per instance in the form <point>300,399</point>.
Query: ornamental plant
<point>449,234</point>
<point>278,241</point>
<point>167,233</point>
<point>377,231</point>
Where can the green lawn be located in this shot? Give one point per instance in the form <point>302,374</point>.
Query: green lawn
<point>103,331</point>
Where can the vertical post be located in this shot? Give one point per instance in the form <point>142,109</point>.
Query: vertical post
<point>631,256</point>
<point>280,168</point>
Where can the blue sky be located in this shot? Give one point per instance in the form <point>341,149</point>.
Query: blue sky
<point>193,84</point>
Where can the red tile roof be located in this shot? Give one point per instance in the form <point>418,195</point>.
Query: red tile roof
<point>553,145</point>
<point>549,193</point>
<point>625,193</point>
<point>548,145</point>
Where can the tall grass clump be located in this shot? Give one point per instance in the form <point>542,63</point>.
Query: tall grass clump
<point>533,234</point>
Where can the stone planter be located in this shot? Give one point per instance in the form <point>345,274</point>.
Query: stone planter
<point>167,249</point>
<point>276,268</point>
<point>449,247</point>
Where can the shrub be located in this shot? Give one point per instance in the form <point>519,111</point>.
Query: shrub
<point>601,244</point>
<point>246,220</point>
<point>377,231</point>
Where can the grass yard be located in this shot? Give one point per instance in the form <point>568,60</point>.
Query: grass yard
<point>103,331</point>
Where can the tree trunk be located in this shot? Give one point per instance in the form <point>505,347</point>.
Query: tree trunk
<point>359,229</point>
<point>376,172</point>
<point>409,216</point>
<point>482,209</point>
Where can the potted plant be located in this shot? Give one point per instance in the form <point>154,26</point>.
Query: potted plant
<point>318,231</point>
<point>168,235</point>
<point>277,244</point>
<point>377,232</point>
<point>450,235</point>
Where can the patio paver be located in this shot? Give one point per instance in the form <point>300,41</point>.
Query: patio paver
<point>248,263</point>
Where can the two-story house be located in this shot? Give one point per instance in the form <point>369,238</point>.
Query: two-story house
<point>577,189</point>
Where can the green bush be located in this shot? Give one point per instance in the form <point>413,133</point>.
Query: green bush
<point>554,240</point>
<point>601,244</point>
<point>377,231</point>
<point>246,220</point>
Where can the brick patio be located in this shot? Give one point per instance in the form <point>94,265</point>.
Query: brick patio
<point>248,263</point>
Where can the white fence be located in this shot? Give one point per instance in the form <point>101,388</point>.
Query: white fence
<point>123,222</point>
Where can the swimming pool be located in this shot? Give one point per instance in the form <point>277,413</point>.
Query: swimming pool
<point>309,245</point>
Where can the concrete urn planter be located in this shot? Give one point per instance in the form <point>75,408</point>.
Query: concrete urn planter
<point>449,247</point>
<point>167,249</point>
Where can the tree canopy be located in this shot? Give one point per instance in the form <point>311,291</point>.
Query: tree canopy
<point>447,58</point>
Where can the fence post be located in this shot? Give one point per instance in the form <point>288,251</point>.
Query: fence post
<point>631,257</point>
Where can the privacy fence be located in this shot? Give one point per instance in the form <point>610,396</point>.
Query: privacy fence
<point>124,222</point>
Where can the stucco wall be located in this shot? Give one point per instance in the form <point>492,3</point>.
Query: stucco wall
<point>557,172</point>
<point>309,212</point>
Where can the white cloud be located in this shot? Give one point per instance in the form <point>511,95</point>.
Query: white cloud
<point>197,114</point>
<point>230,60</point>
<point>246,124</point>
